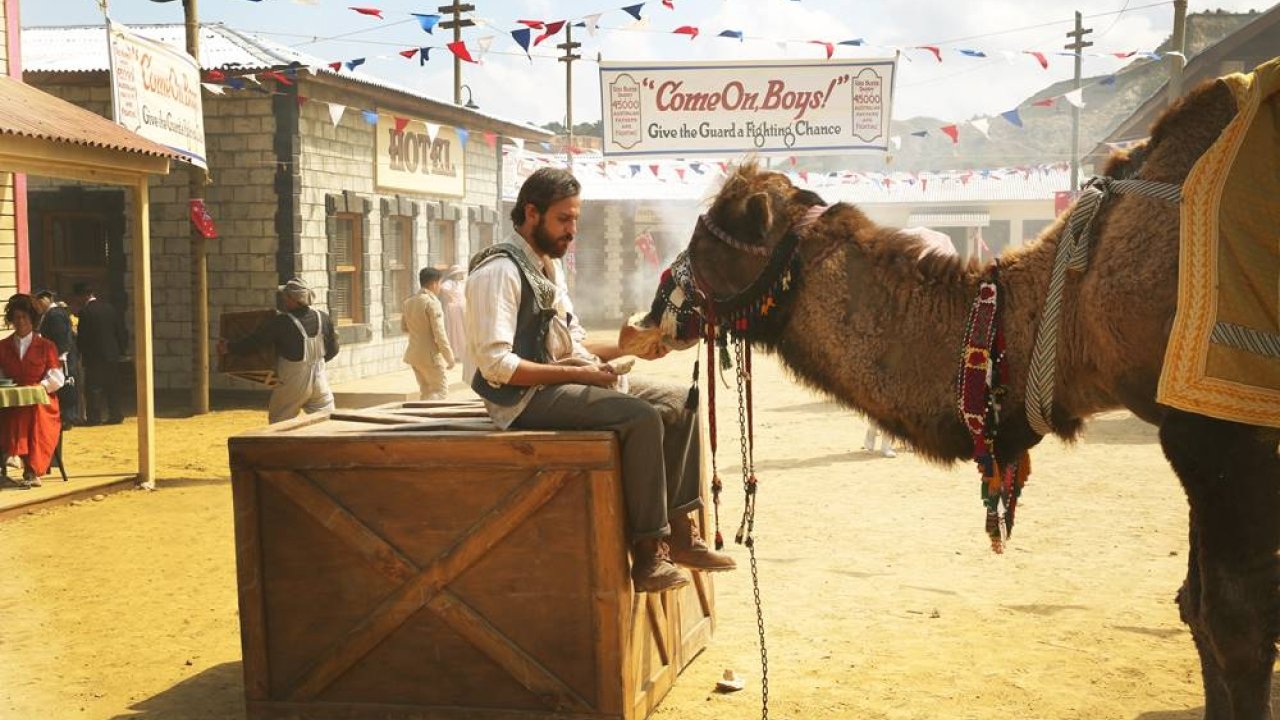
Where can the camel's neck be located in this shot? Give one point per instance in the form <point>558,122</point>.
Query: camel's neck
<point>882,332</point>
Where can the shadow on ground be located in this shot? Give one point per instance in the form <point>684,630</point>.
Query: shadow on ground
<point>214,694</point>
<point>1197,713</point>
<point>1119,428</point>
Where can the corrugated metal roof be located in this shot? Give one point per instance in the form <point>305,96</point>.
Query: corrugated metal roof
<point>28,112</point>
<point>83,48</point>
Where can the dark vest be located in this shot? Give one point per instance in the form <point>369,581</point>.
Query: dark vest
<point>532,321</point>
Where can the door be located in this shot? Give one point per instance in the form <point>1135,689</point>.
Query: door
<point>77,236</point>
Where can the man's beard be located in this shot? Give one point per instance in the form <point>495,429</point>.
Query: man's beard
<point>548,245</point>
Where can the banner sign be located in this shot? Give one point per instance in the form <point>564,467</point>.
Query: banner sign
<point>720,108</point>
<point>155,92</point>
<point>410,158</point>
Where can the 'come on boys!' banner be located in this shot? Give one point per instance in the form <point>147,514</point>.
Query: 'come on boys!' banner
<point>726,108</point>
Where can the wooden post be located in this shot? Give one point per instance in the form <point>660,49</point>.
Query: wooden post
<point>1077,46</point>
<point>142,334</point>
<point>199,256</point>
<point>1177,61</point>
<point>568,46</point>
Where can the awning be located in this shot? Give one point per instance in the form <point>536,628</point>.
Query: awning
<point>950,219</point>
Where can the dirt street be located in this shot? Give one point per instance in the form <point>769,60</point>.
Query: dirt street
<point>881,597</point>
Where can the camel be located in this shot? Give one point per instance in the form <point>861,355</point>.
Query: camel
<point>876,323</point>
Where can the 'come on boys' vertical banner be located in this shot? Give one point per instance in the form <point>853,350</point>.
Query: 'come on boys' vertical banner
<point>725,108</point>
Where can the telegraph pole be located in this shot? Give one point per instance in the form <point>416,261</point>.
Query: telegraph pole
<point>456,24</point>
<point>568,46</point>
<point>1077,45</point>
<point>199,254</point>
<point>1179,41</point>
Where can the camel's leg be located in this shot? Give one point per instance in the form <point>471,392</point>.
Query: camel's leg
<point>1231,598</point>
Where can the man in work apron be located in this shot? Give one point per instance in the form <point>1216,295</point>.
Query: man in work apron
<point>303,383</point>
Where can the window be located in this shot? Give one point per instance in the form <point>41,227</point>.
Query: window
<point>444,242</point>
<point>397,252</point>
<point>346,253</point>
<point>484,237</point>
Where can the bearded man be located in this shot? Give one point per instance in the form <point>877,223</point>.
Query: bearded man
<point>535,369</point>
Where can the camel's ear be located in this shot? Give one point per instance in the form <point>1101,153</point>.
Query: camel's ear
<point>758,212</point>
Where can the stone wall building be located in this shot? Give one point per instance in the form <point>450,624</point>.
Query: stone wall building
<point>348,181</point>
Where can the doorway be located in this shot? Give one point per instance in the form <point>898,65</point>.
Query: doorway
<point>77,235</point>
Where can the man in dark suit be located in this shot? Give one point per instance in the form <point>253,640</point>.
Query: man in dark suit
<point>101,340</point>
<point>55,326</point>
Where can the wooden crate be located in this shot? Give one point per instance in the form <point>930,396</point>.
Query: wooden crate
<point>258,366</point>
<point>412,561</point>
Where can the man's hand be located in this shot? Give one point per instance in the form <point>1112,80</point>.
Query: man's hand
<point>632,341</point>
<point>599,374</point>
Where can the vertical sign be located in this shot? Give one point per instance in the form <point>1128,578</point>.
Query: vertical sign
<point>155,92</point>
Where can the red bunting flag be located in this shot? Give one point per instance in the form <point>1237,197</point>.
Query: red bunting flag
<point>1047,102</point>
<point>1125,55</point>
<point>654,169</point>
<point>551,29</point>
<point>490,138</point>
<point>952,132</point>
<point>669,4</point>
<point>374,12</point>
<point>215,76</point>
<point>301,99</point>
<point>831,47</point>
<point>401,123</point>
<point>460,50</point>
<point>275,75</point>
<point>408,54</point>
<point>1039,56</point>
<point>937,53</point>
<point>336,66</point>
<point>804,176</point>
<point>689,30</point>
<point>680,172</point>
<point>535,24</point>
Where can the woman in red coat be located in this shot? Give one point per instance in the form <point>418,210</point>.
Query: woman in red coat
<point>29,432</point>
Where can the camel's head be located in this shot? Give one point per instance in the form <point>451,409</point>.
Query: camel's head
<point>732,247</point>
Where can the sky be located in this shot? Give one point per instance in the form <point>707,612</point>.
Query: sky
<point>513,86</point>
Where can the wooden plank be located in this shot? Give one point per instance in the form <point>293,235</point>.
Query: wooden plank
<point>249,573</point>
<point>387,711</point>
<point>525,669</point>
<point>143,362</point>
<point>607,545</point>
<point>659,626</point>
<point>367,449</point>
<point>516,507</point>
<point>327,511</point>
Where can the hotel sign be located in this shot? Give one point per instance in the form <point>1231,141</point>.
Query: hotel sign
<point>727,108</point>
<point>409,159</point>
<point>155,92</point>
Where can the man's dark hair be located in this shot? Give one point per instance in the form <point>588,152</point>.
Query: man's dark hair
<point>45,293</point>
<point>544,188</point>
<point>82,289</point>
<point>428,275</point>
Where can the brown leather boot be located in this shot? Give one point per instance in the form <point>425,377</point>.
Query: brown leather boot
<point>689,550</point>
<point>652,569</point>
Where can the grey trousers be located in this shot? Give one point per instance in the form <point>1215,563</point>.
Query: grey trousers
<point>652,416</point>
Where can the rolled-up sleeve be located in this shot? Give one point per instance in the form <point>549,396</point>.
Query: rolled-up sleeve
<point>493,301</point>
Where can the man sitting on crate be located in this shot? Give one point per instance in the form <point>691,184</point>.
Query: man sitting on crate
<point>304,341</point>
<point>536,370</point>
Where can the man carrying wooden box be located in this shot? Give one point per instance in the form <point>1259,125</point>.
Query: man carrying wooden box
<point>536,370</point>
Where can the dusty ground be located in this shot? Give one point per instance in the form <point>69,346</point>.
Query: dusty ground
<point>881,598</point>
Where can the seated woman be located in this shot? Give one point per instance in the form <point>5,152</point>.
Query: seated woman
<point>29,432</point>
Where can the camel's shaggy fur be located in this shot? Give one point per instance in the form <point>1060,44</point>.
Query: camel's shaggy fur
<point>879,326</point>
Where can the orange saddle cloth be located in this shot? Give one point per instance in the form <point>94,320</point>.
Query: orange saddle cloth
<point>1223,357</point>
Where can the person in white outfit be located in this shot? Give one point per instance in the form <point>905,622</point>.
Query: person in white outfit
<point>429,353</point>
<point>886,442</point>
<point>304,341</point>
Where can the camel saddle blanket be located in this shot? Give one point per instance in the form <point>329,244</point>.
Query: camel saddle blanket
<point>1223,356</point>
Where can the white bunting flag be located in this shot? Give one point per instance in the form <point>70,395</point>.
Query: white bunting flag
<point>983,125</point>
<point>432,129</point>
<point>592,20</point>
<point>335,112</point>
<point>1075,97</point>
<point>214,88</point>
<point>897,142</point>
